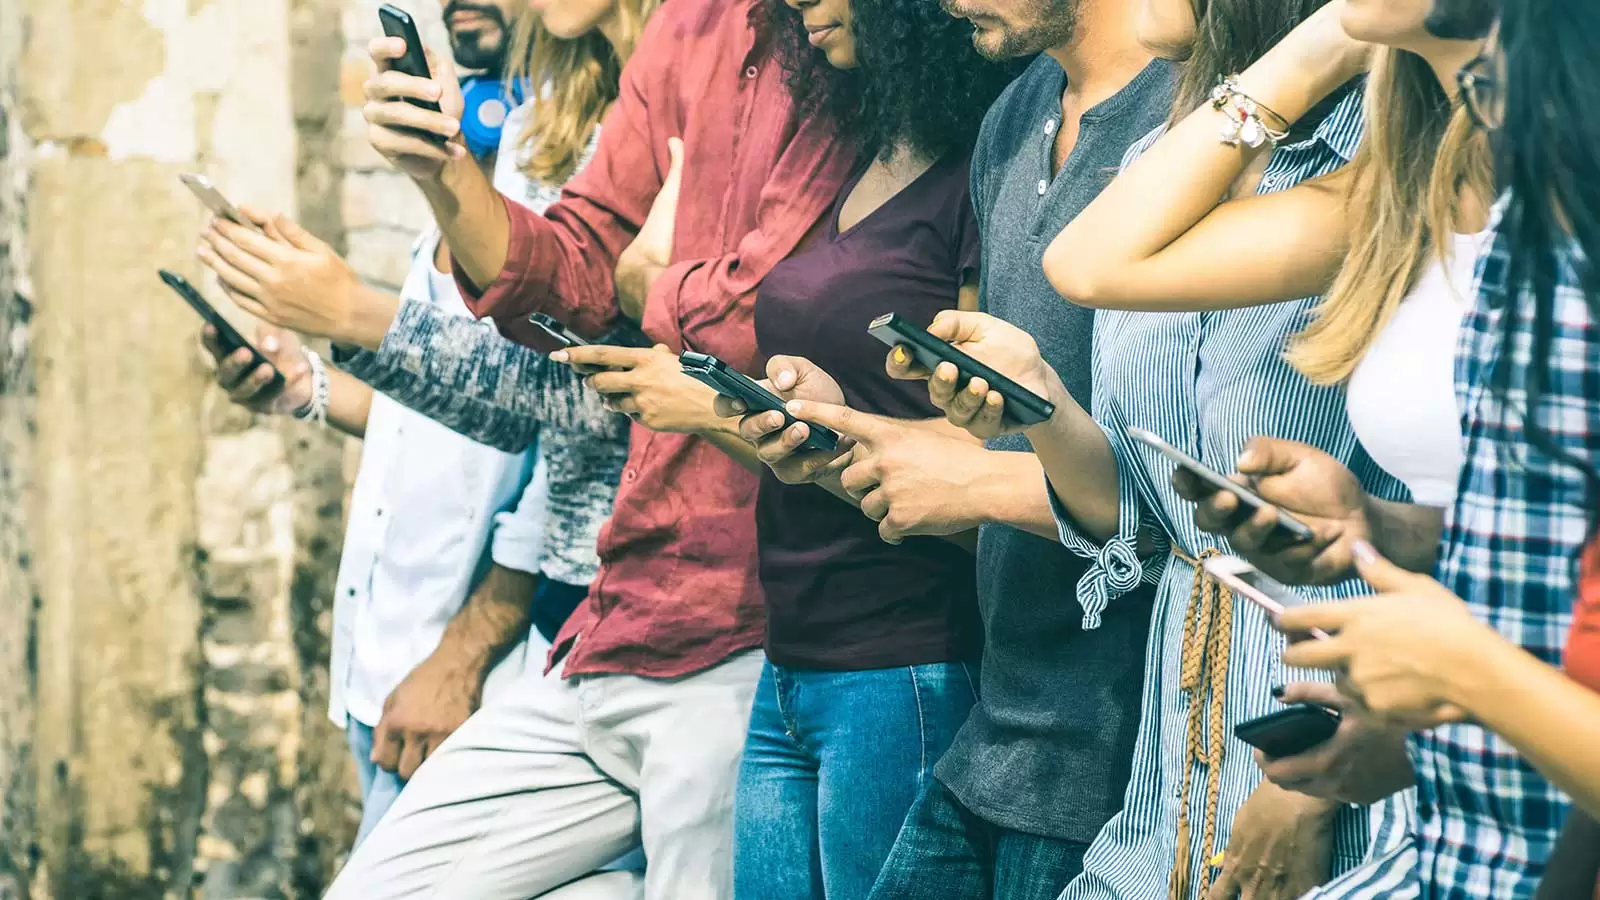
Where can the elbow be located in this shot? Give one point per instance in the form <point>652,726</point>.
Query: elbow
<point>1075,278</point>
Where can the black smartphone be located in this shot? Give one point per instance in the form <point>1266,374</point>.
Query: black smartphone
<point>398,23</point>
<point>557,331</point>
<point>730,382</point>
<point>1023,406</point>
<point>1293,530</point>
<point>1290,731</point>
<point>227,336</point>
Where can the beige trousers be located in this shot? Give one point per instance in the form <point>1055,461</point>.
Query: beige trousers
<point>558,777</point>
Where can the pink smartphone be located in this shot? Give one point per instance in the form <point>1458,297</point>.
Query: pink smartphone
<point>1256,586</point>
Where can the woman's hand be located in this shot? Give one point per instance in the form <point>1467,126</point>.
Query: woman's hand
<point>419,142</point>
<point>791,378</point>
<point>247,384</point>
<point>1408,654</point>
<point>651,251</point>
<point>291,279</point>
<point>1001,346</point>
<point>1317,58</point>
<point>1306,483</point>
<point>1281,847</point>
<point>648,386</point>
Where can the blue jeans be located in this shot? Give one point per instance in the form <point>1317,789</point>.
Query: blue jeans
<point>378,787</point>
<point>832,763</point>
<point>948,851</point>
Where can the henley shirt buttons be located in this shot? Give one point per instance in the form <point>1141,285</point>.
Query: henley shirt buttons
<point>750,72</point>
<point>1044,186</point>
<point>1049,126</point>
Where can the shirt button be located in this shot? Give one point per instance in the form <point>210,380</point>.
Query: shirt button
<point>1044,186</point>
<point>750,72</point>
<point>1050,126</point>
<point>630,476</point>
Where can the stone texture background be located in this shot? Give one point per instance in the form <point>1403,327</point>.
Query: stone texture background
<point>167,560</point>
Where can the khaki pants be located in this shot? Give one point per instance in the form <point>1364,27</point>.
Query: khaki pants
<point>558,777</point>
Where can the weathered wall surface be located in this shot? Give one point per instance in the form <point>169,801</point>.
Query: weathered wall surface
<point>166,560</point>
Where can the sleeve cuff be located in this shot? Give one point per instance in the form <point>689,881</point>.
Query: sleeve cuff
<point>1115,567</point>
<point>518,541</point>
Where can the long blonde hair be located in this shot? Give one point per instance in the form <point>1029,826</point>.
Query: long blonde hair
<point>572,83</point>
<point>1420,154</point>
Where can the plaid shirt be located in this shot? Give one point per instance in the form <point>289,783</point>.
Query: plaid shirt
<point>1488,821</point>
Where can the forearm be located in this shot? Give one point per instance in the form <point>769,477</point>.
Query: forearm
<point>1551,719</point>
<point>349,403</point>
<point>472,216</point>
<point>1406,533</point>
<point>1013,492</point>
<point>728,441</point>
<point>635,277</point>
<point>1078,460</point>
<point>492,621</point>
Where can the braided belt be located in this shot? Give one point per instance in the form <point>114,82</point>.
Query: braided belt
<point>1207,633</point>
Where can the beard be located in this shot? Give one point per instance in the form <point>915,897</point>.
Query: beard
<point>483,49</point>
<point>1043,24</point>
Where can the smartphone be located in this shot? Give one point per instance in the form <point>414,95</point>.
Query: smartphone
<point>1023,406</point>
<point>557,331</point>
<point>1290,731</point>
<point>1294,530</point>
<point>1256,586</point>
<point>730,382</point>
<point>228,337</point>
<point>201,187</point>
<point>397,23</point>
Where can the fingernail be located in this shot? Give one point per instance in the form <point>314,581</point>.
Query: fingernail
<point>1364,552</point>
<point>1247,457</point>
<point>901,357</point>
<point>270,344</point>
<point>1277,692</point>
<point>559,356</point>
<point>794,407</point>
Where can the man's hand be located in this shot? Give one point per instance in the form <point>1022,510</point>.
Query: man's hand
<point>290,278</point>
<point>1309,485</point>
<point>427,707</point>
<point>1281,847</point>
<point>419,142</point>
<point>911,481</point>
<point>246,384</point>
<point>791,378</point>
<point>998,344</point>
<point>651,249</point>
<point>648,386</point>
<point>1364,762</point>
<point>1409,654</point>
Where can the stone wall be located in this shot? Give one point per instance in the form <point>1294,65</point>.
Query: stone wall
<point>166,560</point>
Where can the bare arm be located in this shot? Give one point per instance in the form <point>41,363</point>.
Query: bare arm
<point>1160,236</point>
<point>349,403</point>
<point>1406,533</point>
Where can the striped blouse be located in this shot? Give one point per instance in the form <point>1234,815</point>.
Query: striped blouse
<point>1207,383</point>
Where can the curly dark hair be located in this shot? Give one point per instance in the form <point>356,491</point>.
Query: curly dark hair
<point>919,82</point>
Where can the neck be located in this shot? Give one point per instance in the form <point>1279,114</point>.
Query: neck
<point>1446,58</point>
<point>1104,53</point>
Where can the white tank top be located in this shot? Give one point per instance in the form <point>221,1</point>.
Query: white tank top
<point>1402,396</point>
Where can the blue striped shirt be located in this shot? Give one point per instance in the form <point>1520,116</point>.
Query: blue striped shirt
<point>1207,383</point>
<point>1488,821</point>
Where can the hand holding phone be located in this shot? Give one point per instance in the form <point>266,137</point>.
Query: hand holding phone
<point>1289,530</point>
<point>1022,406</point>
<point>1256,586</point>
<point>730,382</point>
<point>397,23</point>
<point>207,194</point>
<point>1290,731</point>
<point>228,338</point>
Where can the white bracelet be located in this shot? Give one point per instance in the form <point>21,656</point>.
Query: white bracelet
<point>317,409</point>
<point>1245,124</point>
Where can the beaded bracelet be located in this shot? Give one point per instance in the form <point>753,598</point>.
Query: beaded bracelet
<point>1245,125</point>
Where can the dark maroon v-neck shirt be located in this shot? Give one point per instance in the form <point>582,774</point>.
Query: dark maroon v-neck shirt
<point>838,597</point>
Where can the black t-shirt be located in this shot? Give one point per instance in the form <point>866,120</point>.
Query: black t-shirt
<point>838,597</point>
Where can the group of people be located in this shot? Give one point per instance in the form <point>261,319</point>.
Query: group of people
<point>1345,249</point>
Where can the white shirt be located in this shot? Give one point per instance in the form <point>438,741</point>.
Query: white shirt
<point>1402,400</point>
<point>430,511</point>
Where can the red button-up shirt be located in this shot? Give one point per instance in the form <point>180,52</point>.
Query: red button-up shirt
<point>677,590</point>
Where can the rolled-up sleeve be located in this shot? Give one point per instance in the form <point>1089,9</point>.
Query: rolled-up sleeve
<point>464,375</point>
<point>1115,565</point>
<point>518,538</point>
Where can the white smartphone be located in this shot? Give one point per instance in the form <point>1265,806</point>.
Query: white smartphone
<point>1295,530</point>
<point>1256,586</point>
<point>201,187</point>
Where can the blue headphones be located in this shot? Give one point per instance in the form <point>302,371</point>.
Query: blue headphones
<point>488,102</point>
